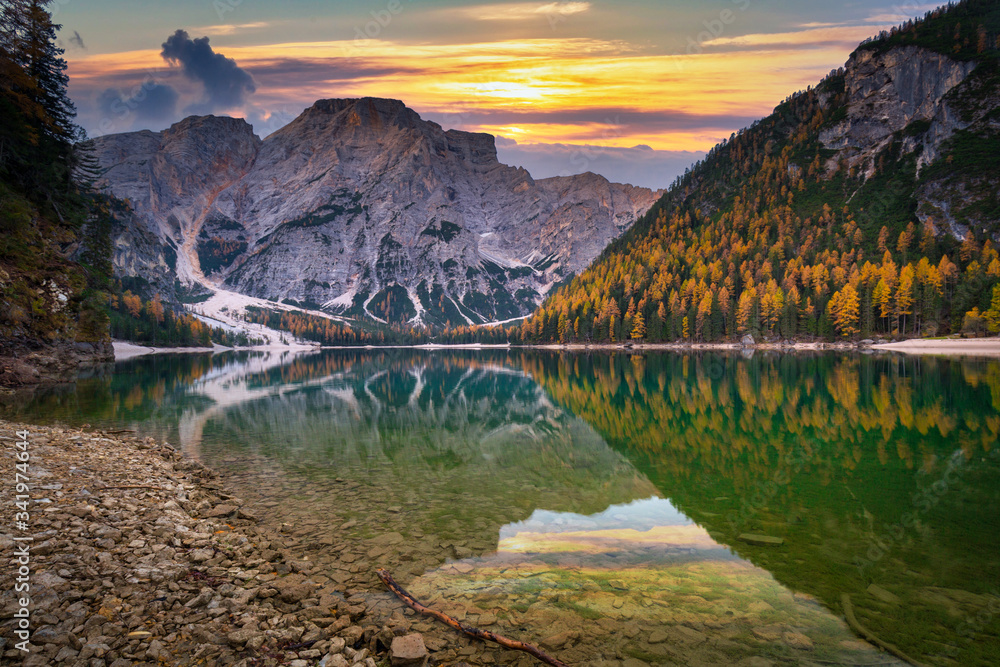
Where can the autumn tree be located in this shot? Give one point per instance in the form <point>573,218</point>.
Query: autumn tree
<point>992,315</point>
<point>844,308</point>
<point>638,327</point>
<point>132,303</point>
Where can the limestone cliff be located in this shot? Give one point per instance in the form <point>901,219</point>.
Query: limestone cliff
<point>358,207</point>
<point>911,101</point>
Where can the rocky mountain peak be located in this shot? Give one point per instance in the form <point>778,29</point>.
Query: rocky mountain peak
<point>370,116</point>
<point>358,207</point>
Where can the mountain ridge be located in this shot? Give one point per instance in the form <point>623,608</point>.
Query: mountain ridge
<point>358,207</point>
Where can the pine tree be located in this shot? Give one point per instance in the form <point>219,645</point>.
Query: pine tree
<point>37,141</point>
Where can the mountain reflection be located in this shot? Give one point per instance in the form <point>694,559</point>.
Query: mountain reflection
<point>880,473</point>
<point>562,472</point>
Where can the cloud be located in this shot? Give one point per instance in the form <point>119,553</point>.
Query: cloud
<point>230,28</point>
<point>227,85</point>
<point>149,102</point>
<point>520,11</point>
<point>639,165</point>
<point>902,12</point>
<point>77,41</point>
<point>541,91</point>
<point>849,35</point>
<point>612,121</point>
<point>266,122</point>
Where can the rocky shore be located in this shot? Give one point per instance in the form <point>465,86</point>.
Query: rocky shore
<point>140,556</point>
<point>23,364</point>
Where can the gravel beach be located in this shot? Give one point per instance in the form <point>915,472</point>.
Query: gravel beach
<point>139,556</point>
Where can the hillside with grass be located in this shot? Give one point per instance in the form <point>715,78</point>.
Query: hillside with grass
<point>866,206</point>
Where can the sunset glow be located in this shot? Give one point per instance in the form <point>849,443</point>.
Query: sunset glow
<point>541,74</point>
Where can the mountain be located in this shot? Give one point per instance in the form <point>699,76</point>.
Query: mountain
<point>866,206</point>
<point>359,208</point>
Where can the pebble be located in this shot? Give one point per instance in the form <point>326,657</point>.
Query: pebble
<point>176,572</point>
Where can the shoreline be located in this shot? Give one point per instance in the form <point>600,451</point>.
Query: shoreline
<point>141,554</point>
<point>932,346</point>
<point>979,347</point>
<point>126,350</point>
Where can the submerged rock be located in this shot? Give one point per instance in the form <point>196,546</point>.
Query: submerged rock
<point>761,540</point>
<point>408,650</point>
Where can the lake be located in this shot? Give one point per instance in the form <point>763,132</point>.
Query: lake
<point>632,509</point>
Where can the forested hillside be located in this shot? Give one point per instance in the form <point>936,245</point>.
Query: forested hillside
<point>865,206</point>
<point>54,259</point>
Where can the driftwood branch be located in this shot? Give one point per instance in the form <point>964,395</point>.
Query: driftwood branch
<point>513,644</point>
<point>852,621</point>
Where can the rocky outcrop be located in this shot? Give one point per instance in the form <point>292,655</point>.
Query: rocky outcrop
<point>930,107</point>
<point>59,361</point>
<point>889,91</point>
<point>359,207</point>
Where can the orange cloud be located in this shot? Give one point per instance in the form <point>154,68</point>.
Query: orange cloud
<point>548,77</point>
<point>814,35</point>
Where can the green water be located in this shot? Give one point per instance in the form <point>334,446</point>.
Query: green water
<point>597,501</point>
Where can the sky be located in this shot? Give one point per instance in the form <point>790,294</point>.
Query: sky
<point>635,90</point>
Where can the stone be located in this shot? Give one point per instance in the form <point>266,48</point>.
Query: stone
<point>657,637</point>
<point>352,633</point>
<point>202,555</point>
<point>408,650</point>
<point>296,593</point>
<point>761,540</point>
<point>220,510</point>
<point>880,593</point>
<point>747,340</point>
<point>634,662</point>
<point>756,661</point>
<point>334,660</point>
<point>770,633</point>
<point>201,599</point>
<point>65,653</point>
<point>558,640</point>
<point>797,640</point>
<point>242,636</point>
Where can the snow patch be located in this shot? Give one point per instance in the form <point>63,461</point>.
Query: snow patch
<point>370,313</point>
<point>345,300</point>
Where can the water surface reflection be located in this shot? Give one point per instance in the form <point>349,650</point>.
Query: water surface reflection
<point>599,501</point>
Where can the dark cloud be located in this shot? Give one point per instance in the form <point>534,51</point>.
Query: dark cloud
<point>77,41</point>
<point>149,102</point>
<point>226,84</point>
<point>292,71</point>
